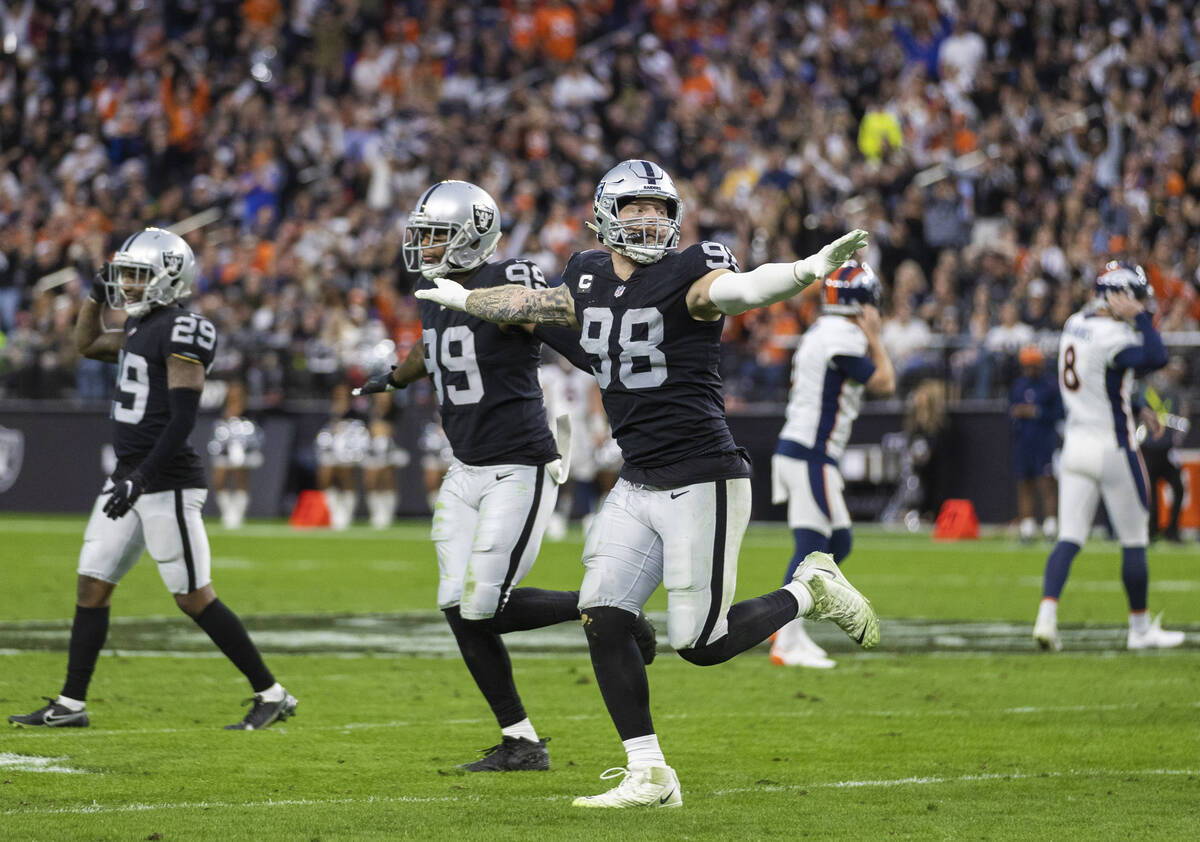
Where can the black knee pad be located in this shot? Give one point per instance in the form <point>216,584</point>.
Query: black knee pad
<point>605,623</point>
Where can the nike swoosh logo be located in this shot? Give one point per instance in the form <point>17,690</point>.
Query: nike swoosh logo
<point>504,476</point>
<point>861,635</point>
<point>680,494</point>
<point>666,797</point>
<point>49,718</point>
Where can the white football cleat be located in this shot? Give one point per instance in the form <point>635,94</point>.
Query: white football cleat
<point>793,647</point>
<point>652,786</point>
<point>1045,634</point>
<point>1155,637</point>
<point>834,598</point>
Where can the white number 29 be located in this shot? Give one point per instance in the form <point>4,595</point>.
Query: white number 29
<point>185,331</point>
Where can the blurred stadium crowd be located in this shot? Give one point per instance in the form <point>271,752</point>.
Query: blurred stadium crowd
<point>999,152</point>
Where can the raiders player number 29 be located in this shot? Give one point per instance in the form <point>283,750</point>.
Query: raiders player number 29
<point>650,319</point>
<point>153,500</point>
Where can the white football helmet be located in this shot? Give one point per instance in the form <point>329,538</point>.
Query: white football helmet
<point>643,239</point>
<point>455,214</point>
<point>158,263</point>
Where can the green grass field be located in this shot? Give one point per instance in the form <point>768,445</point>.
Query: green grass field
<point>955,728</point>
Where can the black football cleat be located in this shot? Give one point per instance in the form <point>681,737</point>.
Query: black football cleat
<point>52,715</point>
<point>643,633</point>
<point>264,713</point>
<point>513,754</point>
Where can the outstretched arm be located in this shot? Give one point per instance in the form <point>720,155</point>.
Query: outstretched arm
<point>722,291</point>
<point>508,303</point>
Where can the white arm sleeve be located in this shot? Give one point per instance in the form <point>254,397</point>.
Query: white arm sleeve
<point>737,292</point>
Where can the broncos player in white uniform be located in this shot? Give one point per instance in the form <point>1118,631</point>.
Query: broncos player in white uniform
<point>153,499</point>
<point>839,358</point>
<point>1099,354</point>
<point>650,320</point>
<point>497,496</point>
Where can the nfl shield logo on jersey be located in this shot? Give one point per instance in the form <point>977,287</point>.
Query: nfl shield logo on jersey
<point>172,262</point>
<point>483,217</point>
<point>12,454</point>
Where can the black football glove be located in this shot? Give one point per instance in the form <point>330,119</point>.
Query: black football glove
<point>124,495</point>
<point>377,383</point>
<point>99,292</point>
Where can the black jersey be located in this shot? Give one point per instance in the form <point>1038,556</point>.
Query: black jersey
<point>140,407</point>
<point>656,366</point>
<point>486,376</point>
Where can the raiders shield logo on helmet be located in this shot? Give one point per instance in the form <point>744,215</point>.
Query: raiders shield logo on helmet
<point>483,217</point>
<point>172,262</point>
<point>12,454</point>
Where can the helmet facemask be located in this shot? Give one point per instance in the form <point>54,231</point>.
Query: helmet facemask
<point>642,239</point>
<point>423,235</point>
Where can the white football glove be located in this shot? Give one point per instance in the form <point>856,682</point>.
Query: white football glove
<point>830,258</point>
<point>449,293</point>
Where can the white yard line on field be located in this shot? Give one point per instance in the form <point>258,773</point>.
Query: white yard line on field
<point>140,807</point>
<point>805,713</point>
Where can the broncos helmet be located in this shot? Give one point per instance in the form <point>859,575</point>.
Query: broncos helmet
<point>632,237</point>
<point>851,288</point>
<point>455,214</point>
<point>1121,276</point>
<point>155,261</point>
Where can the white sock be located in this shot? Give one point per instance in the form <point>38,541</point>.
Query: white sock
<point>241,499</point>
<point>1028,528</point>
<point>73,705</point>
<point>804,600</point>
<point>1050,526</point>
<point>644,751</point>
<point>1139,621</point>
<point>341,508</point>
<point>1048,612</point>
<point>521,730</point>
<point>274,693</point>
<point>382,505</point>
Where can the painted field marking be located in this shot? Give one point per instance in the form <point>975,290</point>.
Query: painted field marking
<point>139,807</point>
<point>805,713</point>
<point>30,763</point>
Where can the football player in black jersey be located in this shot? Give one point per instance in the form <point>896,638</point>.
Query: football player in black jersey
<point>650,319</point>
<point>497,496</point>
<point>153,499</point>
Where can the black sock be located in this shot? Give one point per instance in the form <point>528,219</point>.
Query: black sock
<point>534,608</point>
<point>88,633</point>
<point>619,668</point>
<point>227,631</point>
<point>488,662</point>
<point>751,621</point>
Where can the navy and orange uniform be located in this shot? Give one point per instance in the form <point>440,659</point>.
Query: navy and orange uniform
<point>140,407</point>
<point>486,376</point>
<point>656,366</point>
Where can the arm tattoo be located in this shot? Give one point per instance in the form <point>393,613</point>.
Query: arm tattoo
<point>511,303</point>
